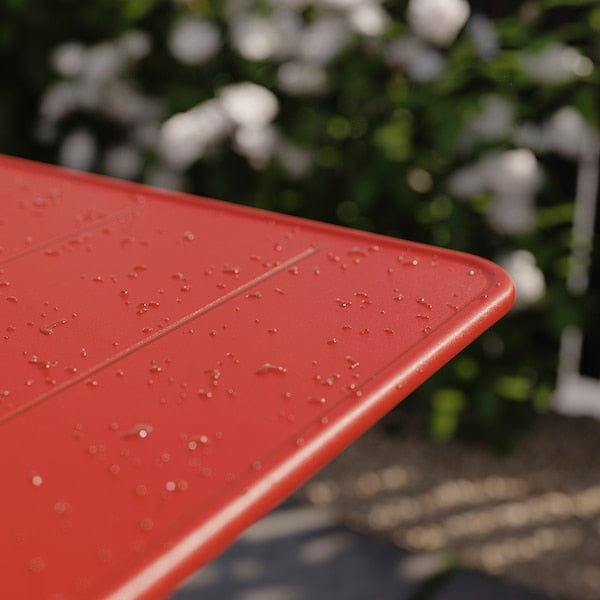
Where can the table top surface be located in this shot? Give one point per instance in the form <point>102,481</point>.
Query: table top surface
<point>173,367</point>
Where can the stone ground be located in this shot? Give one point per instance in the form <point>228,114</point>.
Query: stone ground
<point>531,518</point>
<point>401,519</point>
<point>303,553</point>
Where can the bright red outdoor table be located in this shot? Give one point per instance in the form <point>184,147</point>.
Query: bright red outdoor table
<point>173,367</point>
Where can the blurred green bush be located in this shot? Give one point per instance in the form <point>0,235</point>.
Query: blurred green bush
<point>441,121</point>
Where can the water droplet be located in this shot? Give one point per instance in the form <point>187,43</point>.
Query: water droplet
<point>114,469</point>
<point>343,303</point>
<point>254,295</point>
<point>146,524</point>
<point>356,251</point>
<point>36,564</point>
<point>424,303</point>
<point>320,400</point>
<point>140,431</point>
<point>92,382</point>
<point>231,270</point>
<point>471,272</point>
<point>37,480</point>
<point>423,317</point>
<point>353,363</point>
<point>170,486</point>
<point>155,369</point>
<point>12,299</point>
<point>293,270</point>
<point>188,236</point>
<point>257,465</point>
<point>388,330</point>
<point>332,341</point>
<point>141,490</point>
<point>198,440</point>
<point>270,368</point>
<point>452,306</point>
<point>49,329</point>
<point>43,364</point>
<point>83,353</point>
<point>186,288</point>
<point>4,283</point>
<point>61,507</point>
<point>204,393</point>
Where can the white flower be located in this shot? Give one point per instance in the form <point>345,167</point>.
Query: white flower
<point>194,41</point>
<point>512,177</point>
<point>58,100</point>
<point>323,40</point>
<point>299,78</point>
<point>420,62</point>
<point>135,44</point>
<point>68,59</point>
<point>255,38</point>
<point>512,173</point>
<point>257,144</point>
<point>249,104</point>
<point>467,182</point>
<point>484,36</point>
<point>511,215</point>
<point>103,62</point>
<point>528,135</point>
<point>294,159</point>
<point>556,64</point>
<point>566,133</point>
<point>165,177</point>
<point>437,21</point>
<point>123,103</point>
<point>368,18</point>
<point>527,277</point>
<point>122,161</point>
<point>494,121</point>
<point>340,5</point>
<point>78,150</point>
<point>185,136</point>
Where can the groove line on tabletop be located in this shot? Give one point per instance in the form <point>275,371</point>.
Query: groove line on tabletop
<point>159,334</point>
<point>65,236</point>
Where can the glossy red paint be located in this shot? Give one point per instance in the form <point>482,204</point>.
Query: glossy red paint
<point>173,367</point>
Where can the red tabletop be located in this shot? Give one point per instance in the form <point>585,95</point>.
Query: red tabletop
<point>172,367</point>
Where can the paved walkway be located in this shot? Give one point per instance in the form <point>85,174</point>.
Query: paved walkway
<point>302,553</point>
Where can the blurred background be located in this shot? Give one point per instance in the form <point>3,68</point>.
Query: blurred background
<point>468,125</point>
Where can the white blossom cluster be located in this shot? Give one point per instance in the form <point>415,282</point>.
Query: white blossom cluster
<point>94,80</point>
<point>243,115</point>
<point>512,177</point>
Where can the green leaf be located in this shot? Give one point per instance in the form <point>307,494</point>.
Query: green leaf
<point>394,138</point>
<point>513,387</point>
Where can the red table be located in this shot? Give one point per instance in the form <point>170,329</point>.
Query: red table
<point>173,367</point>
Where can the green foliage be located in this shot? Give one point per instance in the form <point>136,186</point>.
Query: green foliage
<point>383,146</point>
